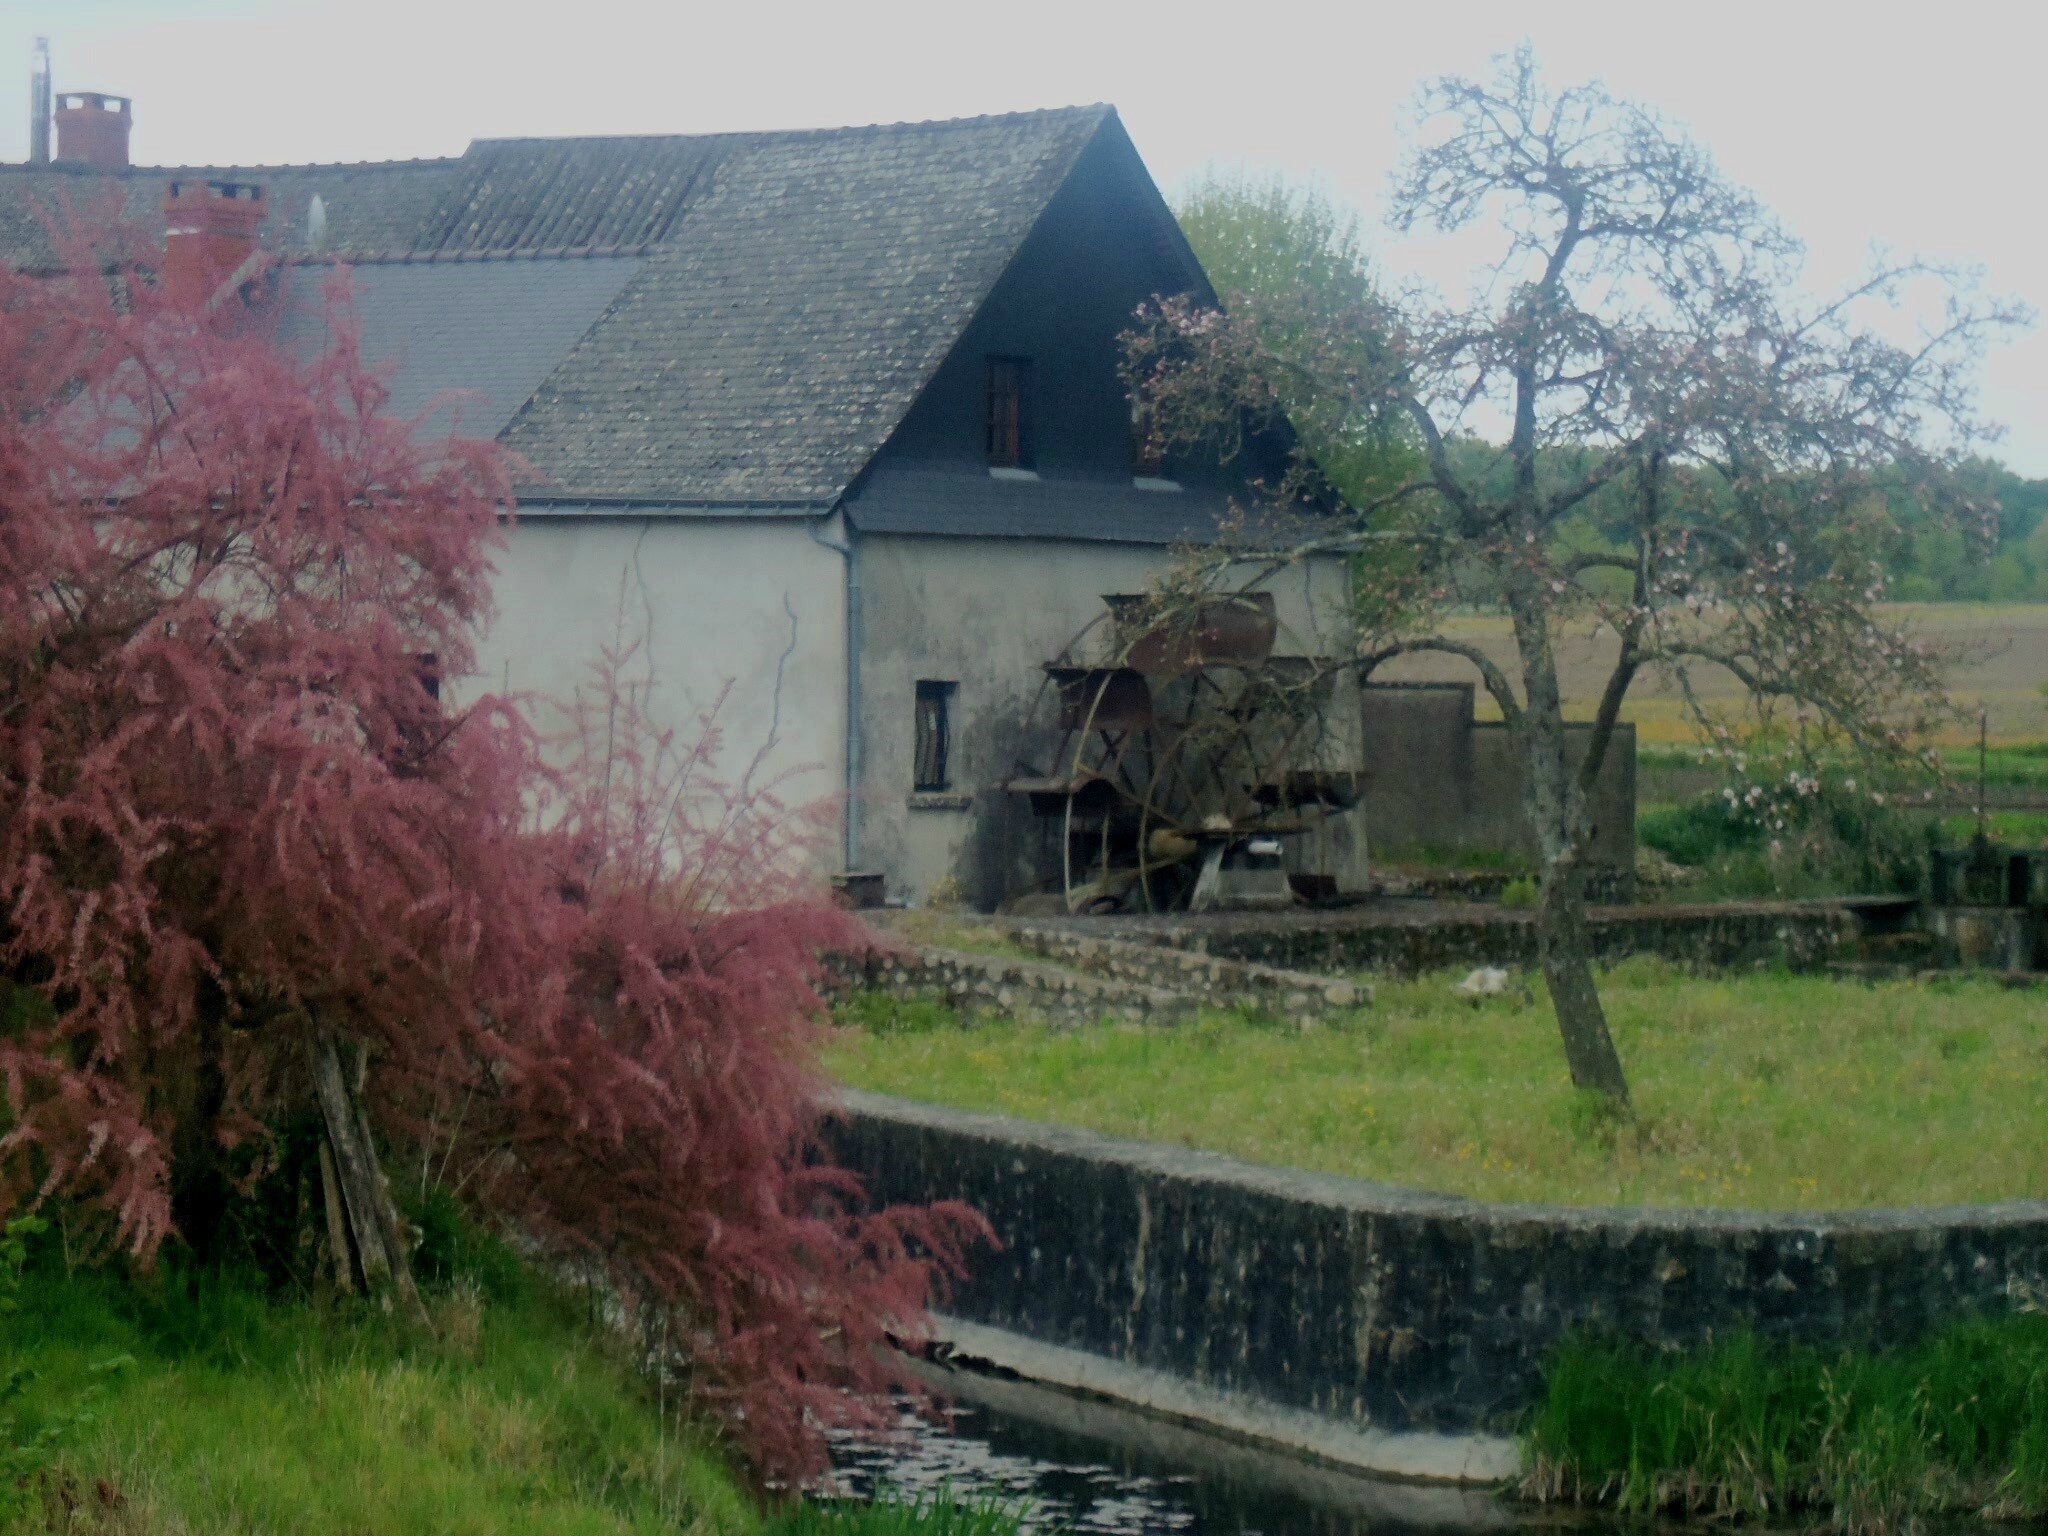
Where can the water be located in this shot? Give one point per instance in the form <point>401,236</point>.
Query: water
<point>1098,1470</point>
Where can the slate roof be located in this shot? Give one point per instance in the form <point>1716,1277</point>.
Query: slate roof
<point>473,340</point>
<point>779,300</point>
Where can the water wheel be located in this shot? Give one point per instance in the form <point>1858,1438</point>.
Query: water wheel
<point>1161,743</point>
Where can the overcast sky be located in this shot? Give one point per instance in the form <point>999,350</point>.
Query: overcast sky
<point>1917,126</point>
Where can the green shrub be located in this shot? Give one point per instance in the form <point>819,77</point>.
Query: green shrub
<point>1957,1423</point>
<point>1518,895</point>
<point>880,1014</point>
<point>1792,834</point>
<point>1696,833</point>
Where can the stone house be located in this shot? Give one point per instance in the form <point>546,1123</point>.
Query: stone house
<point>826,423</point>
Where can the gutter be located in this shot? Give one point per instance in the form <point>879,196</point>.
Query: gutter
<point>847,548</point>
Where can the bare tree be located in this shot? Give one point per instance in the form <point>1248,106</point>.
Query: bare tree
<point>1636,421</point>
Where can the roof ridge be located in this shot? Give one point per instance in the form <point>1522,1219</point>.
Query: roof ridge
<point>413,258</point>
<point>1098,109</point>
<point>130,172</point>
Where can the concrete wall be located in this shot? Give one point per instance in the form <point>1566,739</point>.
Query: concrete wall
<point>1390,1308</point>
<point>1443,782</point>
<point>711,603</point>
<point>986,614</point>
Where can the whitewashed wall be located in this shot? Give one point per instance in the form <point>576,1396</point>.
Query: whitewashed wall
<point>710,603</point>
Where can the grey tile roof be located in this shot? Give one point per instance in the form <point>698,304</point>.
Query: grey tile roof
<point>784,326</point>
<point>371,208</point>
<point>797,289</point>
<point>488,331</point>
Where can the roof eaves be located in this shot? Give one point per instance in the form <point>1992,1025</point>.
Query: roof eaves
<point>559,504</point>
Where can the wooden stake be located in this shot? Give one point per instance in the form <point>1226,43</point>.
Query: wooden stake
<point>365,1198</point>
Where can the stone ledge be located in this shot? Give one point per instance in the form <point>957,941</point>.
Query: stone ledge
<point>1412,1456</point>
<point>1391,1309</point>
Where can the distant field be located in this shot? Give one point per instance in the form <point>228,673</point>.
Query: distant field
<point>2009,642</point>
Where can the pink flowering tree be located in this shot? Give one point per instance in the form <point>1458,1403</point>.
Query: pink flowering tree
<point>1636,423</point>
<point>257,873</point>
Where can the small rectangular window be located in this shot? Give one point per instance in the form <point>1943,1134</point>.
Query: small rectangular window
<point>1009,379</point>
<point>934,737</point>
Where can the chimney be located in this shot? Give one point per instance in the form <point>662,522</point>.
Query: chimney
<point>92,129</point>
<point>39,104</point>
<point>210,230</point>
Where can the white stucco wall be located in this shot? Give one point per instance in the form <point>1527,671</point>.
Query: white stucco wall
<point>987,613</point>
<point>709,602</point>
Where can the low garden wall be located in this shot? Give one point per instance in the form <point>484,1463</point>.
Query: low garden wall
<point>1431,936</point>
<point>1381,1307</point>
<point>975,983</point>
<point>1081,979</point>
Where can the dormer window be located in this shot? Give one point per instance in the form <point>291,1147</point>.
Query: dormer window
<point>1009,380</point>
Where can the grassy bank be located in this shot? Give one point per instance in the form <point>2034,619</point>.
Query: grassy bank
<point>1765,1091</point>
<point>1956,1424</point>
<point>197,1402</point>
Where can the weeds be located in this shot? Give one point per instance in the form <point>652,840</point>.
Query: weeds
<point>1957,1424</point>
<point>937,1514</point>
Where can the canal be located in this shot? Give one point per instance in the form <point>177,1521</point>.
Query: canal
<point>1091,1468</point>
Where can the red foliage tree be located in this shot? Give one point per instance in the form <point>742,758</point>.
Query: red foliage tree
<point>243,850</point>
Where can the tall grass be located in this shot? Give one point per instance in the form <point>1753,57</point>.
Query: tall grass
<point>234,1411</point>
<point>937,1514</point>
<point>198,1401</point>
<point>1956,1424</point>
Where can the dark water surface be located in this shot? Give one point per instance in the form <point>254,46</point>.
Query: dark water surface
<point>1073,1464</point>
<point>1102,1471</point>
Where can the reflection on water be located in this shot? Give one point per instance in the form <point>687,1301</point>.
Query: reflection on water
<point>1088,1468</point>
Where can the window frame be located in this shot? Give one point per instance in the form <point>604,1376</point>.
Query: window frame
<point>932,711</point>
<point>1006,433</point>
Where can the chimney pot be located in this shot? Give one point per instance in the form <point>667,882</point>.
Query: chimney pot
<point>92,129</point>
<point>39,104</point>
<point>210,230</point>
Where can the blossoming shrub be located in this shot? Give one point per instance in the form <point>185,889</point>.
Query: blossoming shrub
<point>1788,825</point>
<point>235,823</point>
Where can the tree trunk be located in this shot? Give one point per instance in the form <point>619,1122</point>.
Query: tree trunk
<point>1558,823</point>
<point>373,1245</point>
<point>1564,951</point>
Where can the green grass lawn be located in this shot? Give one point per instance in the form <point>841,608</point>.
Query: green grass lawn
<point>1760,1091</point>
<point>200,1405</point>
<point>229,1412</point>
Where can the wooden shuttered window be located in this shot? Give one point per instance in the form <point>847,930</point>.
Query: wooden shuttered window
<point>1009,380</point>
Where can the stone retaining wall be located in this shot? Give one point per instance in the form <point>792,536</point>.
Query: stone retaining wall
<point>976,983</point>
<point>1443,936</point>
<point>1209,978</point>
<point>1385,1308</point>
